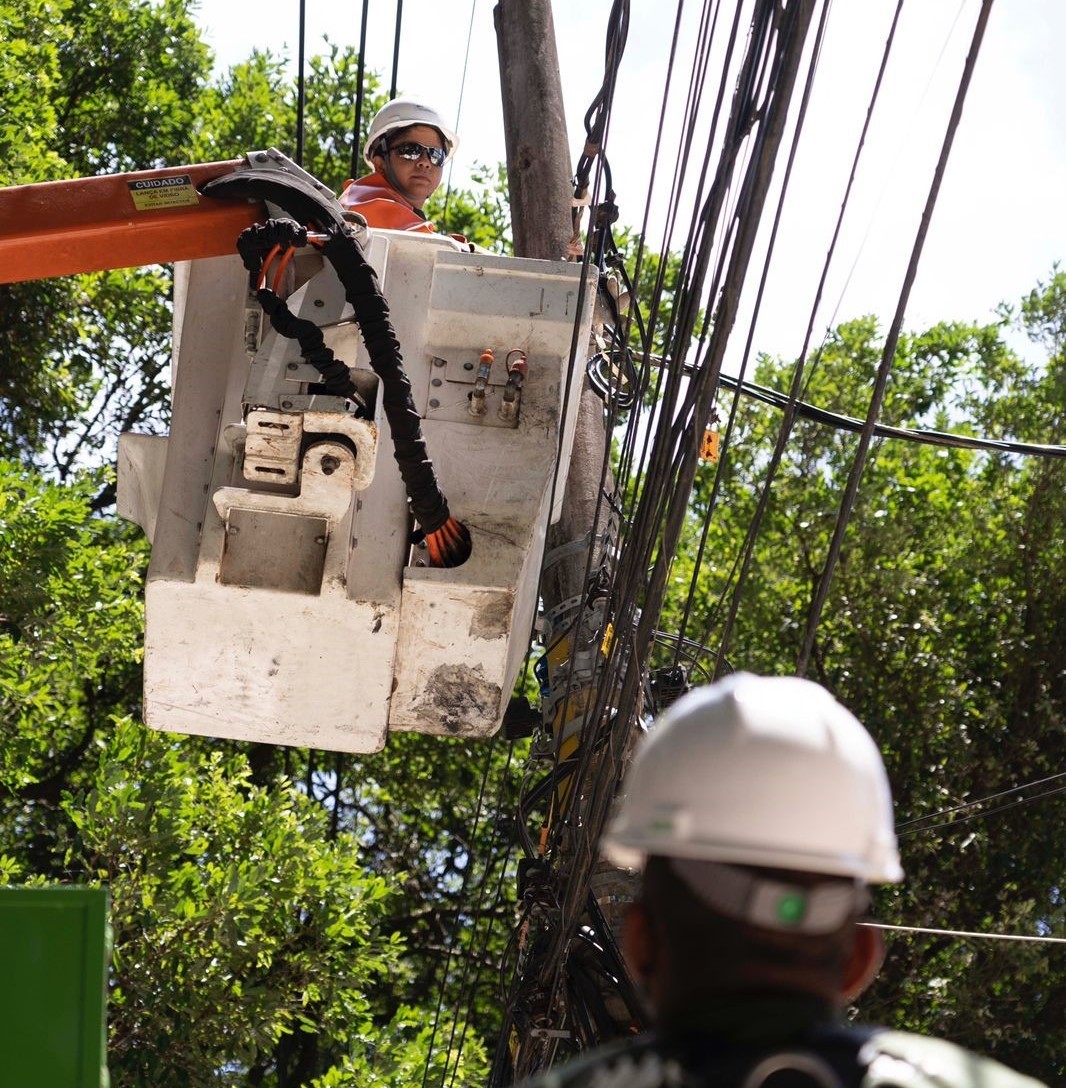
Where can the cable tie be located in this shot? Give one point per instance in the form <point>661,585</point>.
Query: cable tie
<point>564,606</point>
<point>578,544</point>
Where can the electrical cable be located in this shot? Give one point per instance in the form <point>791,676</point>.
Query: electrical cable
<point>447,540</point>
<point>300,95</point>
<point>982,815</point>
<point>459,107</point>
<point>874,213</point>
<point>979,801</point>
<point>452,938</point>
<point>742,566</point>
<point>357,125</point>
<point>943,439</point>
<point>496,902</point>
<point>746,551</point>
<point>851,488</point>
<point>968,934</point>
<point>396,49</point>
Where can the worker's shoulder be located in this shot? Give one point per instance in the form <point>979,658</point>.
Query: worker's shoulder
<point>898,1059</point>
<point>891,1059</point>
<point>621,1064</point>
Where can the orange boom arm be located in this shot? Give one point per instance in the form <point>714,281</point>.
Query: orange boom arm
<point>58,228</point>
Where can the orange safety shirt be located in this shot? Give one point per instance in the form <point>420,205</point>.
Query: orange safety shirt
<point>382,206</point>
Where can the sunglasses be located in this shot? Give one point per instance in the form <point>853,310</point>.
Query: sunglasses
<point>412,152</point>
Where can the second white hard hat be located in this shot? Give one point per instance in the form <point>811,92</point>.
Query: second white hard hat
<point>763,771</point>
<point>402,113</point>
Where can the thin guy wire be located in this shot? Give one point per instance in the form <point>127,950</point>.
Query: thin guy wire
<point>978,801</point>
<point>851,490</point>
<point>396,49</point>
<point>965,933</point>
<point>357,130</point>
<point>459,107</point>
<point>982,815</point>
<point>454,938</point>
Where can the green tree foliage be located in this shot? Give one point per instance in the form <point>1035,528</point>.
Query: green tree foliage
<point>257,893</point>
<point>238,924</point>
<point>33,34</point>
<point>70,630</point>
<point>131,72</point>
<point>257,890</point>
<point>83,98</point>
<point>481,214</point>
<point>256,931</point>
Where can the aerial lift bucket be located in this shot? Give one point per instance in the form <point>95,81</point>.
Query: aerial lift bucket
<point>286,602</point>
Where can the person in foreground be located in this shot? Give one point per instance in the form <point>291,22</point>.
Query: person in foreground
<point>406,149</point>
<point>760,812</point>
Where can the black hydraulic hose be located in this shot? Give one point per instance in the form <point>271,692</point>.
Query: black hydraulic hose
<point>447,540</point>
<point>336,377</point>
<point>252,245</point>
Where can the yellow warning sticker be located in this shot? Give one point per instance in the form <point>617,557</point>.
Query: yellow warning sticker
<point>154,194</point>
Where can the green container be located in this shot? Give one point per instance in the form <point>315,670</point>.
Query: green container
<point>53,987</point>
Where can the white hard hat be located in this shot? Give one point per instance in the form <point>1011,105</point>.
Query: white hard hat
<point>763,771</point>
<point>402,113</point>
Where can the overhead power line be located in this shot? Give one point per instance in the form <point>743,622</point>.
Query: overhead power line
<point>851,490</point>
<point>991,812</point>
<point>968,934</point>
<point>979,801</point>
<point>944,439</point>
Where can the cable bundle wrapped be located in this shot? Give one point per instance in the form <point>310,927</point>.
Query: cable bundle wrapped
<point>447,540</point>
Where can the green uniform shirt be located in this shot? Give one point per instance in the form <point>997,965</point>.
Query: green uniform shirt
<point>752,1040</point>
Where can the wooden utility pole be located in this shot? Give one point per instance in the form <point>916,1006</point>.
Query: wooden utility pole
<point>534,124</point>
<point>541,194</point>
<point>541,191</point>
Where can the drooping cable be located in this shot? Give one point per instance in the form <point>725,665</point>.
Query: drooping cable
<point>257,246</point>
<point>978,801</point>
<point>597,113</point>
<point>965,934</point>
<point>479,812</point>
<point>357,125</point>
<point>300,93</point>
<point>447,540</point>
<point>851,489</point>
<point>1009,807</point>
<point>923,436</point>
<point>459,107</point>
<point>396,49</point>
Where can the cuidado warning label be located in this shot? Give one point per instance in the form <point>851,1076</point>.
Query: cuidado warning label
<point>154,194</point>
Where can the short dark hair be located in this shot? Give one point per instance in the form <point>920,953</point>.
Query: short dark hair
<point>702,943</point>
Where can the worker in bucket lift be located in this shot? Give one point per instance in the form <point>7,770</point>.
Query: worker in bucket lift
<point>759,811</point>
<point>406,149</point>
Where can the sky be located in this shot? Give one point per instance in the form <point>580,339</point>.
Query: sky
<point>999,224</point>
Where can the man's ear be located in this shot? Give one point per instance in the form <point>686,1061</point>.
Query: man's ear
<point>637,943</point>
<point>867,955</point>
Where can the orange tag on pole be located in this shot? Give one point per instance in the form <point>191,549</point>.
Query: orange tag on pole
<point>709,446</point>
